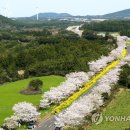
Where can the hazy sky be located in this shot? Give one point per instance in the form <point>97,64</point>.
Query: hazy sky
<point>18,8</point>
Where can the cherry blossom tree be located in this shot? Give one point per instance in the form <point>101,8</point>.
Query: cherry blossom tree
<point>101,63</point>
<point>11,122</point>
<point>74,81</point>
<point>77,111</point>
<point>26,112</point>
<point>75,114</point>
<point>23,112</point>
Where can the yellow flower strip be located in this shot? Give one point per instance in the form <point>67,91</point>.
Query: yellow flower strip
<point>87,86</point>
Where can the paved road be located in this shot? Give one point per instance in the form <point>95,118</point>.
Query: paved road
<point>128,50</point>
<point>47,125</point>
<point>75,29</point>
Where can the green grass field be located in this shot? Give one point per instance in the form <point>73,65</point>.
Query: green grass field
<point>9,93</point>
<point>114,34</point>
<point>120,106</point>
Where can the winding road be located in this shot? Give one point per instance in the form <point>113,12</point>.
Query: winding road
<point>75,29</point>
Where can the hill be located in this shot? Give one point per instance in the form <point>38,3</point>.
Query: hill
<point>118,15</point>
<point>52,15</point>
<point>6,23</point>
<point>11,23</point>
<point>5,19</point>
<point>124,14</point>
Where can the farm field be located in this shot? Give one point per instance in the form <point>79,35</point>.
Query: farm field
<point>114,34</point>
<point>10,93</point>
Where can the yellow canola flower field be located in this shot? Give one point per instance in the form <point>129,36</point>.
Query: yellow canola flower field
<point>88,85</point>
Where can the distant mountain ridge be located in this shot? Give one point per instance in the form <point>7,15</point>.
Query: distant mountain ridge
<point>118,15</point>
<point>6,22</point>
<point>53,15</point>
<point>124,14</point>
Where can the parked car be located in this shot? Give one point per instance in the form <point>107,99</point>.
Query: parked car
<point>31,125</point>
<point>58,128</point>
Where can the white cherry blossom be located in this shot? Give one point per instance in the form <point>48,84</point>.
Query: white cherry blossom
<point>11,122</point>
<point>26,112</point>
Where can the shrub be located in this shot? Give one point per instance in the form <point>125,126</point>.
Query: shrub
<point>35,84</point>
<point>124,77</point>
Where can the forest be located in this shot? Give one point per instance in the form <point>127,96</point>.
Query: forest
<point>41,52</point>
<point>46,48</point>
<point>121,26</point>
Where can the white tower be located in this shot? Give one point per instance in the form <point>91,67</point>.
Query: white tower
<point>37,10</point>
<point>37,13</point>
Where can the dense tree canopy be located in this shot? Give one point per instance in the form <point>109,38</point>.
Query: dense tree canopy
<point>40,52</point>
<point>110,26</point>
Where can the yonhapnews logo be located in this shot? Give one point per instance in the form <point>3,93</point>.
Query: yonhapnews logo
<point>98,118</point>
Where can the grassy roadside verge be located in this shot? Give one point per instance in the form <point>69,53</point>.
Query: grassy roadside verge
<point>119,106</point>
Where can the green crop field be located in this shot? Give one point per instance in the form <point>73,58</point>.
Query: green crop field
<point>120,106</point>
<point>114,34</point>
<point>9,93</point>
